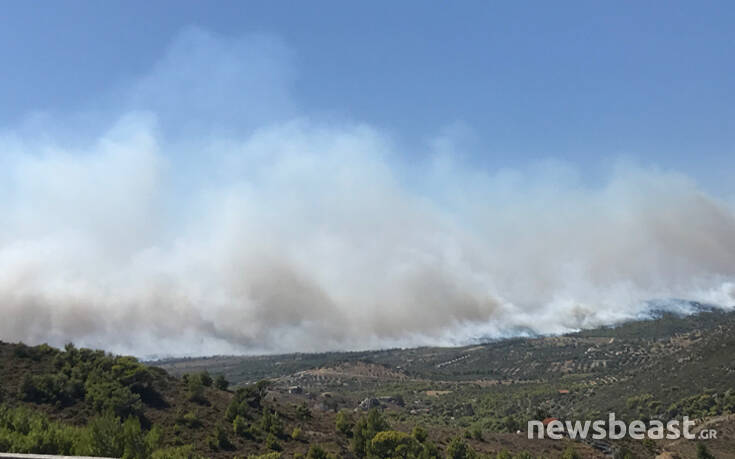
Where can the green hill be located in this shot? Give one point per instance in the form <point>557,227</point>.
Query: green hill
<point>408,403</point>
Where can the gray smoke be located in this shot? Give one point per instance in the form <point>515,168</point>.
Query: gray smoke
<point>210,215</point>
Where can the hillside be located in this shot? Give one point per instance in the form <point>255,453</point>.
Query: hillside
<point>667,367</point>
<point>81,401</point>
<point>424,402</point>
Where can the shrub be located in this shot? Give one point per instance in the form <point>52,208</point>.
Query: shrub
<point>420,434</point>
<point>246,398</point>
<point>221,383</point>
<point>106,395</point>
<point>24,431</point>
<point>240,426</point>
<point>179,452</point>
<point>570,453</point>
<point>218,439</point>
<point>343,423</point>
<point>273,455</point>
<point>392,443</point>
<point>459,449</point>
<point>365,429</point>
<point>703,453</point>
<point>303,411</point>
<point>297,434</point>
<point>134,442</point>
<point>189,419</point>
<point>104,436</point>
<point>317,452</point>
<point>195,390</point>
<point>271,442</point>
<point>270,422</point>
<point>205,379</point>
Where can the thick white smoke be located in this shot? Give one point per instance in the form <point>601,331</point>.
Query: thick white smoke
<point>212,216</point>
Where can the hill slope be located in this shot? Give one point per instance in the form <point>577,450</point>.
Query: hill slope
<point>80,401</point>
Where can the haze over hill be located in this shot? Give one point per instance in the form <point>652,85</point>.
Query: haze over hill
<point>201,209</point>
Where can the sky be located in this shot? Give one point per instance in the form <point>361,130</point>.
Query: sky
<point>183,178</point>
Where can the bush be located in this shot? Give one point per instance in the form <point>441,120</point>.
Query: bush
<point>189,419</point>
<point>303,411</point>
<point>270,422</point>
<point>317,452</point>
<point>392,443</point>
<point>24,431</point>
<point>205,379</point>
<point>297,434</point>
<point>106,395</point>
<point>459,449</point>
<point>221,383</point>
<point>218,439</point>
<point>104,437</point>
<point>179,452</point>
<point>135,444</point>
<point>273,455</point>
<point>195,390</point>
<point>246,398</point>
<point>240,426</point>
<point>271,442</point>
<point>570,453</point>
<point>703,453</point>
<point>365,429</point>
<point>420,434</point>
<point>343,423</point>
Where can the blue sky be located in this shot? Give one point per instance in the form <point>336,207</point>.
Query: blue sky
<point>187,177</point>
<point>576,81</point>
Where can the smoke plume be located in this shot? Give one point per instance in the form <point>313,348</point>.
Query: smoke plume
<point>205,212</point>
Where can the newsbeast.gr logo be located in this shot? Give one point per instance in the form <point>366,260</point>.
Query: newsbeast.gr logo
<point>614,429</point>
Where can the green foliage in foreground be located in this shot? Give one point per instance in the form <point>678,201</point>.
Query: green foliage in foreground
<point>107,383</point>
<point>25,431</point>
<point>373,438</point>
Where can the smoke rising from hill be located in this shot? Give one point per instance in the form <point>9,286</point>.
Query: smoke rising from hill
<point>211,215</point>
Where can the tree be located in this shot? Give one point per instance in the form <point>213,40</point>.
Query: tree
<point>195,390</point>
<point>205,378</point>
<point>365,430</point>
<point>343,423</point>
<point>459,449</point>
<point>703,453</point>
<point>303,411</point>
<point>178,452</point>
<point>317,452</point>
<point>104,437</point>
<point>134,443</point>
<point>218,439</point>
<point>271,442</point>
<point>420,434</point>
<point>271,422</point>
<point>240,426</point>
<point>221,383</point>
<point>392,443</point>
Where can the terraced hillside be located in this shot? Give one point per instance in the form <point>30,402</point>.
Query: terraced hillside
<point>86,402</point>
<point>661,368</point>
